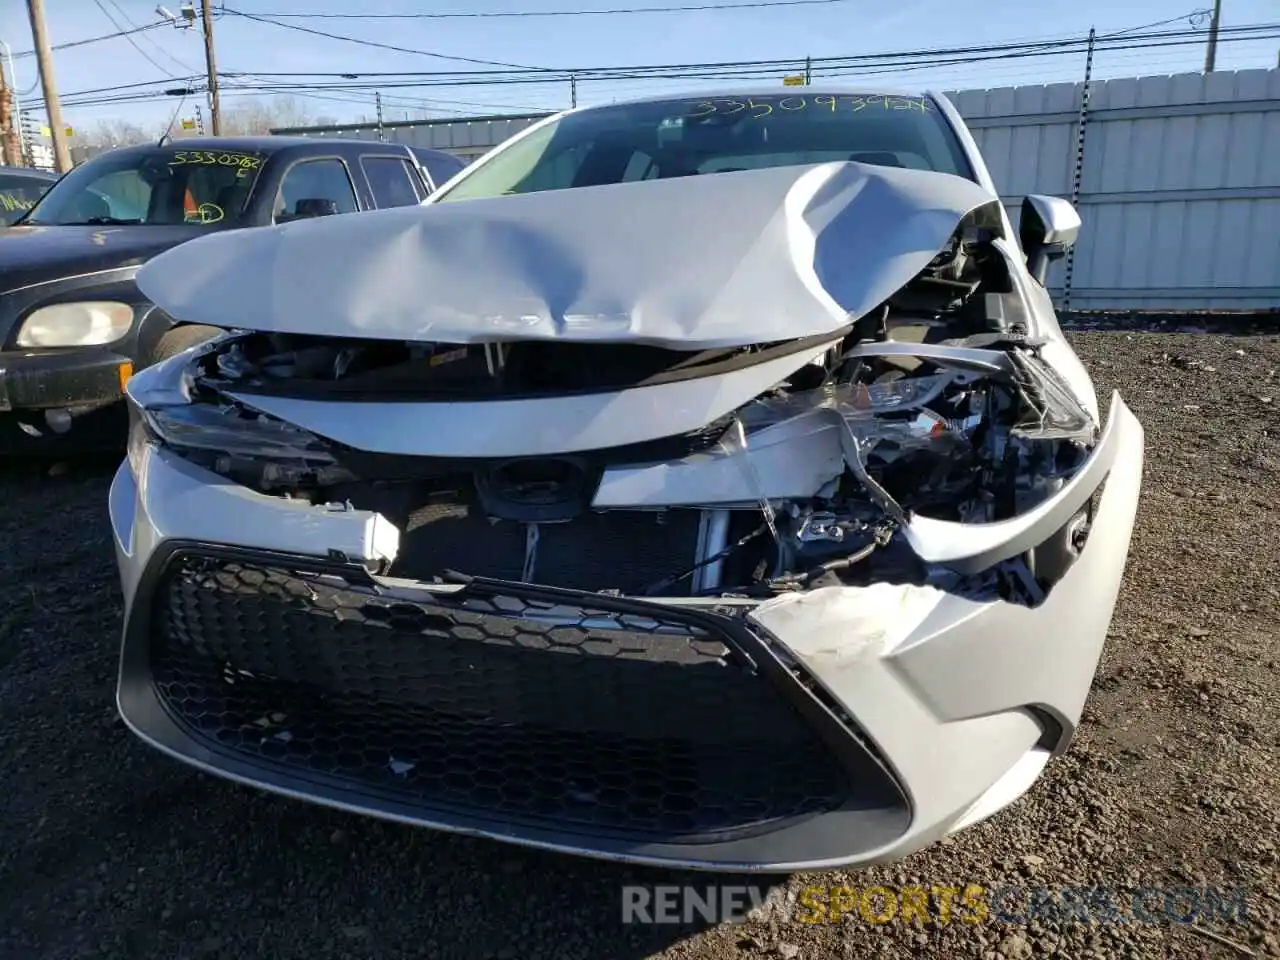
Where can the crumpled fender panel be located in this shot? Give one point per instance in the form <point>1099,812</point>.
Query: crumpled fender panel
<point>687,263</point>
<point>906,659</point>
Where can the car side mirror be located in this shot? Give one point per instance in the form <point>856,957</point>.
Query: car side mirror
<point>1047,229</point>
<point>314,207</point>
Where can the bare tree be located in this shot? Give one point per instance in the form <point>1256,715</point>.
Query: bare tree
<point>112,133</point>
<point>257,117</point>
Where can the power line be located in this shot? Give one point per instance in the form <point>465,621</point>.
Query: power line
<point>889,68</point>
<point>497,14</point>
<point>1045,40</point>
<point>117,87</point>
<point>930,56</point>
<point>400,103</point>
<point>374,43</point>
<point>159,49</point>
<point>355,96</point>
<point>864,65</point>
<point>88,40</point>
<point>1190,16</point>
<point>132,42</point>
<point>740,74</point>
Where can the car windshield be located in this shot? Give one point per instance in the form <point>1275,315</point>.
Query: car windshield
<point>687,137</point>
<point>160,186</point>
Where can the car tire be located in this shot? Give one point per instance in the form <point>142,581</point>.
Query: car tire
<point>174,341</point>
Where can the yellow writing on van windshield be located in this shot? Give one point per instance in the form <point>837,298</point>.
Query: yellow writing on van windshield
<point>244,162</point>
<point>11,202</point>
<point>206,213</point>
<point>757,108</point>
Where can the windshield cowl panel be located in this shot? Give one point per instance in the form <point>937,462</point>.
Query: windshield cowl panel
<point>162,186</point>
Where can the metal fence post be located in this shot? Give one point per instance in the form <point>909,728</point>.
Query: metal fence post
<point>1081,121</point>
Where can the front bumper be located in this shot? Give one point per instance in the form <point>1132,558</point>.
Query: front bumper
<point>846,726</point>
<point>61,396</point>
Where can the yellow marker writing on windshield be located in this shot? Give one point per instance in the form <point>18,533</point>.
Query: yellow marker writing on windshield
<point>242,162</point>
<point>205,213</point>
<point>9,202</point>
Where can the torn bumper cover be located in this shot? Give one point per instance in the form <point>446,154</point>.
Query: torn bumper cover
<point>757,604</point>
<point>847,725</point>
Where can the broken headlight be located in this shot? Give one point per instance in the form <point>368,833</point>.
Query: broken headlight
<point>241,444</point>
<point>931,443</point>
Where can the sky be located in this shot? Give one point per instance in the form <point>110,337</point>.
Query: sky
<point>834,28</point>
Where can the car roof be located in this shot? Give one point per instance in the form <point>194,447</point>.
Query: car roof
<point>432,152</point>
<point>761,90</point>
<point>29,172</point>
<point>250,144</point>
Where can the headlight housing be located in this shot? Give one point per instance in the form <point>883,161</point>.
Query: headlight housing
<point>249,448</point>
<point>85,323</point>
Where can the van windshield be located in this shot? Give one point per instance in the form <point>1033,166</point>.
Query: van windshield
<point>160,186</point>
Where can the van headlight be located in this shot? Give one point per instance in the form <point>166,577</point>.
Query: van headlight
<point>85,323</point>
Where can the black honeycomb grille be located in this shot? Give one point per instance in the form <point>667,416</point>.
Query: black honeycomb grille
<point>579,719</point>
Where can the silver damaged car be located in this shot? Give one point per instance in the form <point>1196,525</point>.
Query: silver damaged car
<point>691,481</point>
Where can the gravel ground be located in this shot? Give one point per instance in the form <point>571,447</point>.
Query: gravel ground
<point>109,849</point>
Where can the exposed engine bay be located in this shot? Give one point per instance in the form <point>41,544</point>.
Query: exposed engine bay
<point>937,404</point>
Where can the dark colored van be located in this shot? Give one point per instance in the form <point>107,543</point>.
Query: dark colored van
<point>73,325</point>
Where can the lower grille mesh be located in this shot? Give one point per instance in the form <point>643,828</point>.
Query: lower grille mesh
<point>577,718</point>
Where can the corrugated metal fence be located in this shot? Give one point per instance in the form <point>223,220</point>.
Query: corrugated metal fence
<point>467,138</point>
<point>1180,186</point>
<point>1179,189</point>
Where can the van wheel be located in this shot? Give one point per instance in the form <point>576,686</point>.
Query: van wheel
<point>182,338</point>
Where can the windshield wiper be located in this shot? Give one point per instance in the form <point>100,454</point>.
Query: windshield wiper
<point>98,221</point>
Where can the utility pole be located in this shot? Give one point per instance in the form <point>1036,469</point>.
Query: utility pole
<point>52,106</point>
<point>10,150</point>
<point>215,112</point>
<point>573,90</point>
<point>377,99</point>
<point>12,127</point>
<point>808,71</point>
<point>1211,52</point>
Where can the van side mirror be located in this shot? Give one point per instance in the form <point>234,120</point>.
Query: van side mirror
<point>1047,229</point>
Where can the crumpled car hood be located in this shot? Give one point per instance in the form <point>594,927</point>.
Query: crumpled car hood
<point>695,262</point>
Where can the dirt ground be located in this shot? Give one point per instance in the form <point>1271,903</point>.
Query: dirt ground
<point>109,849</point>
